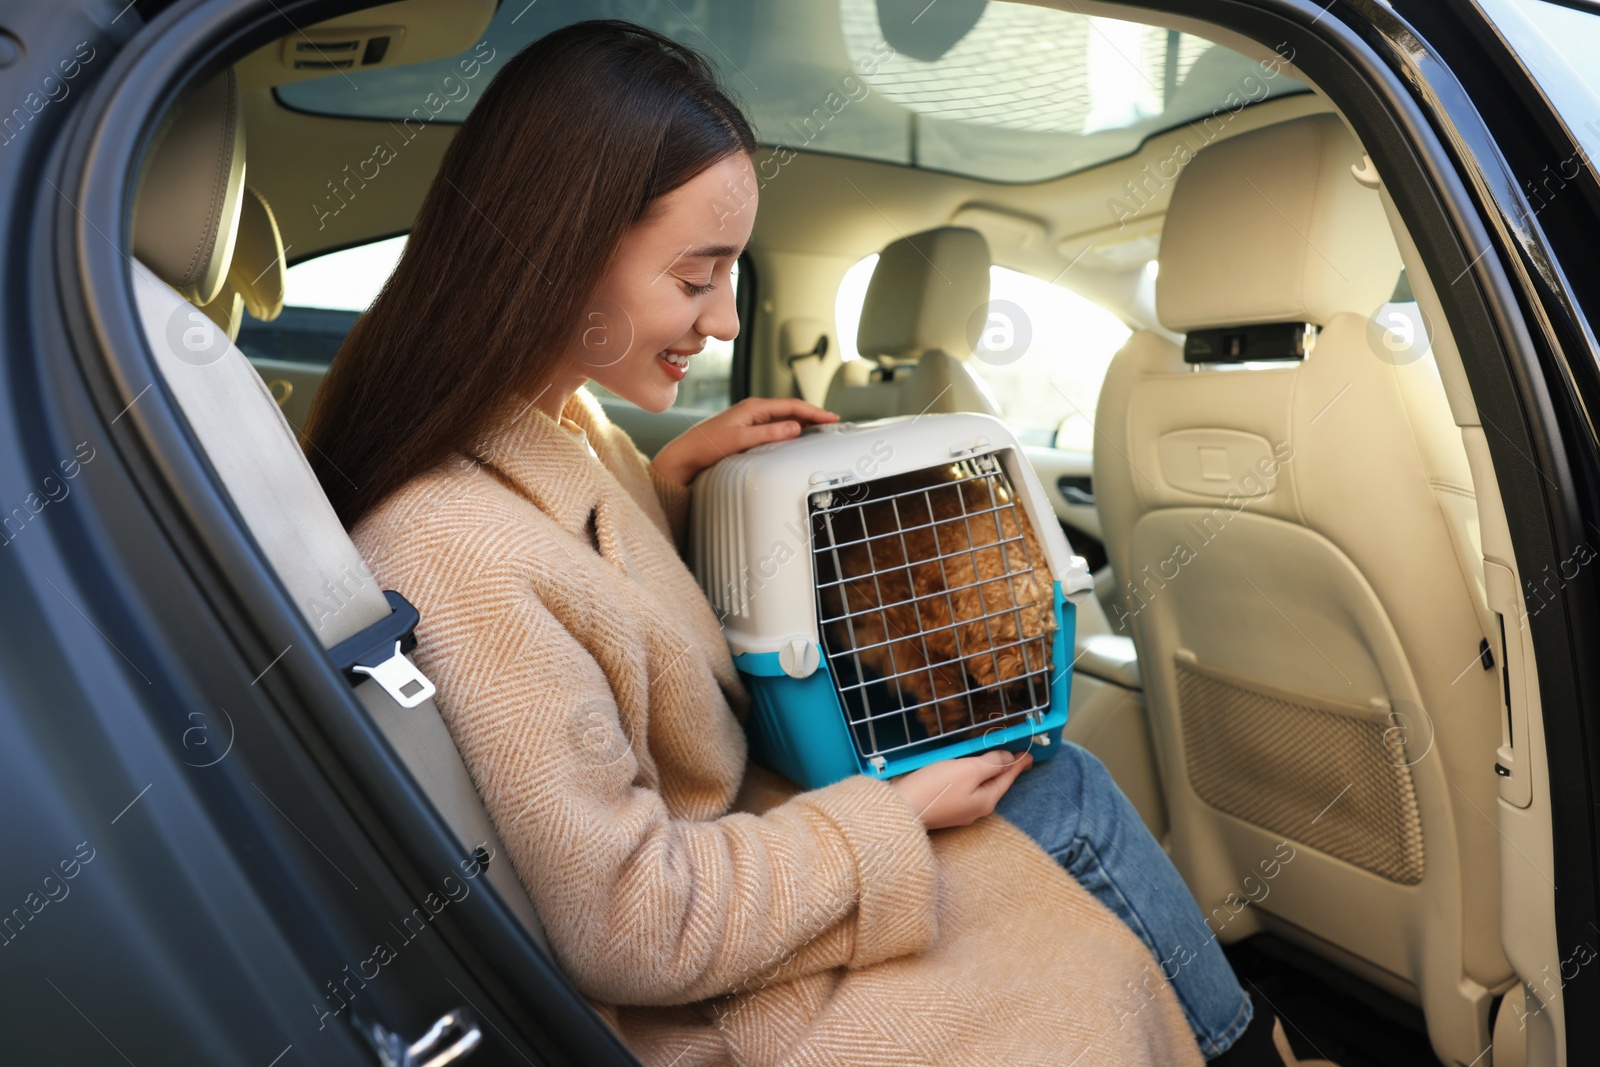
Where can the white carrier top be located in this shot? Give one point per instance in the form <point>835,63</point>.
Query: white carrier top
<point>750,524</point>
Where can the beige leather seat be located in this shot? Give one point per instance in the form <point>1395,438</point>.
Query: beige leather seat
<point>913,333</point>
<point>1297,549</point>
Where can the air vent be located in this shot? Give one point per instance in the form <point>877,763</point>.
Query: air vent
<point>336,48</point>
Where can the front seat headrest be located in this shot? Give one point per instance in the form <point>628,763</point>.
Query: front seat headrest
<point>255,278</point>
<point>924,290</point>
<point>1272,226</point>
<point>189,195</point>
<point>257,271</point>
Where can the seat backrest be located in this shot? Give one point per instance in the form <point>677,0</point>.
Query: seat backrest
<point>1302,580</point>
<point>182,254</point>
<point>914,330</point>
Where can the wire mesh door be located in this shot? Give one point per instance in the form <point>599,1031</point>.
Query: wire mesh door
<point>935,606</point>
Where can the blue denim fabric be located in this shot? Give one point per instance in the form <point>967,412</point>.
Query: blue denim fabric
<point>1072,807</point>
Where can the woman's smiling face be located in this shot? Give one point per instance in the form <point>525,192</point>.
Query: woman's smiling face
<point>669,287</point>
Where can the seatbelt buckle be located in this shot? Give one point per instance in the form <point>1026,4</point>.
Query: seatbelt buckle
<point>378,652</point>
<point>399,677</point>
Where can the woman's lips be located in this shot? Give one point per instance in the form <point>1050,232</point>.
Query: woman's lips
<point>674,371</point>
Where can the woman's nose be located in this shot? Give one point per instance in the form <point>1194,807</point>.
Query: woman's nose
<point>721,316</point>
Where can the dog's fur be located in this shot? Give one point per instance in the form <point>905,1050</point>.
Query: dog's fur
<point>909,633</point>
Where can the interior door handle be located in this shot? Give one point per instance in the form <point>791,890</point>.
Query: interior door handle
<point>453,1036</point>
<point>1078,489</point>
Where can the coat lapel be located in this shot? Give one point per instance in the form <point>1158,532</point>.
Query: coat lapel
<point>555,470</point>
<point>548,465</point>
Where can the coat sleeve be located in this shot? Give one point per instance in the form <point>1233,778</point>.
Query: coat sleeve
<point>641,907</point>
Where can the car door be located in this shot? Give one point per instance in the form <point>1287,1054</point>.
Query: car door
<point>1508,85</point>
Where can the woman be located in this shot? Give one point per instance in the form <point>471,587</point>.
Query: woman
<point>582,228</point>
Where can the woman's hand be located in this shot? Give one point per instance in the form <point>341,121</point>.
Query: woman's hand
<point>956,792</point>
<point>752,421</point>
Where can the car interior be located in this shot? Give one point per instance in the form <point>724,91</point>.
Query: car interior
<point>1304,640</point>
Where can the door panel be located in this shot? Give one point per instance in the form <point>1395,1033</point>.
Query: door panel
<point>1066,477</point>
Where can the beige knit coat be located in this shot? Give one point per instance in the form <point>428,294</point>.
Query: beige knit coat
<point>713,916</point>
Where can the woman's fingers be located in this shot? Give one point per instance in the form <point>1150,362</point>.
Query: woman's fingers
<point>761,433</point>
<point>999,761</point>
<point>769,409</point>
<point>959,791</point>
<point>1009,773</point>
<point>995,786</point>
<point>758,420</point>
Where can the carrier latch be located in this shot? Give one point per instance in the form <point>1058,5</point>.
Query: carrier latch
<point>977,444</point>
<point>823,483</point>
<point>1079,580</point>
<point>799,657</point>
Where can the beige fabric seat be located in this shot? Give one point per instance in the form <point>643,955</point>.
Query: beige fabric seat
<point>1297,548</point>
<point>913,333</point>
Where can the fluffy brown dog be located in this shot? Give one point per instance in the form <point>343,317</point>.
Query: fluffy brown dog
<point>979,619</point>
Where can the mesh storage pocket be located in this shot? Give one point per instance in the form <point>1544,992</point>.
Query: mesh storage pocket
<point>1337,782</point>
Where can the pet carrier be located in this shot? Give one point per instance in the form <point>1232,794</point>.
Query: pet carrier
<point>894,592</point>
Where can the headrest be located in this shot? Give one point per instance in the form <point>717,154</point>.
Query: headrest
<point>190,192</point>
<point>1272,226</point>
<point>257,270</point>
<point>255,278</point>
<point>924,290</point>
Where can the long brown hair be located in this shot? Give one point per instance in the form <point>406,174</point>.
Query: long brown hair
<point>570,145</point>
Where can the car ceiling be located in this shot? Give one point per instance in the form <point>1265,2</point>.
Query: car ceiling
<point>813,204</point>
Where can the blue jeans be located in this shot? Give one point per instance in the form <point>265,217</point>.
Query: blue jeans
<point>1072,807</point>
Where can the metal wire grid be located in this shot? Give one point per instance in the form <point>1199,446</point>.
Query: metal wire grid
<point>830,518</point>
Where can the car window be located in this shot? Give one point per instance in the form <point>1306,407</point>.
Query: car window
<point>322,297</point>
<point>1558,44</point>
<point>1044,351</point>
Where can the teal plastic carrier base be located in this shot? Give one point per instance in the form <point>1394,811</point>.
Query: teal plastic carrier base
<point>798,727</point>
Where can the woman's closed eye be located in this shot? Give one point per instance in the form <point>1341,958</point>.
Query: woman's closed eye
<point>698,290</point>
